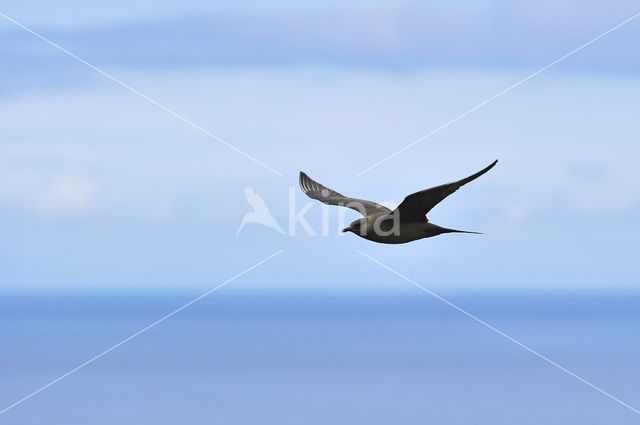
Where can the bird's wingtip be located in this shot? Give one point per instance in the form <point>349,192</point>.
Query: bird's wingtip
<point>303,178</point>
<point>490,166</point>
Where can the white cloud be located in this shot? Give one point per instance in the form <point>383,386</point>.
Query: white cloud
<point>68,194</point>
<point>45,194</point>
<point>565,146</point>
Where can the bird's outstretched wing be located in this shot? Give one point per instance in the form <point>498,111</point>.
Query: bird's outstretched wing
<point>315,190</point>
<point>416,206</point>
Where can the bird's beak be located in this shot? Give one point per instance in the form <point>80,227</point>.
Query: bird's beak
<point>346,229</point>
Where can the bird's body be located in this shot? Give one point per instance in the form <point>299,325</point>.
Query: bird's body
<point>400,233</point>
<point>406,223</point>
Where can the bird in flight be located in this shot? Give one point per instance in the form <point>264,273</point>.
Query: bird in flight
<point>406,223</point>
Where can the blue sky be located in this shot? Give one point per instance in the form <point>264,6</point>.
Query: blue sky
<point>102,191</point>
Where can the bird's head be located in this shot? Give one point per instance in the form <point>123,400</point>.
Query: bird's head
<point>356,227</point>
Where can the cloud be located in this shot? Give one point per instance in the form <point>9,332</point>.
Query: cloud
<point>162,198</point>
<point>393,37</point>
<point>52,195</point>
<point>69,195</point>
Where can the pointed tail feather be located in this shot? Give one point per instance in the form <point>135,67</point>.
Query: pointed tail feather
<point>445,230</point>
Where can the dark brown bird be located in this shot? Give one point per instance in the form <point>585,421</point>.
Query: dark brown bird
<point>406,223</point>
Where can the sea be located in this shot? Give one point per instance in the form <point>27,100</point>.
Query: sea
<point>320,358</point>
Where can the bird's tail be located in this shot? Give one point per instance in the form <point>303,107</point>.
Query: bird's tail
<point>445,230</point>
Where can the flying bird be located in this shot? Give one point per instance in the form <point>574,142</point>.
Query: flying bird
<point>406,223</point>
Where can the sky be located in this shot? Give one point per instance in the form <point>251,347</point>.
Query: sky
<point>101,190</point>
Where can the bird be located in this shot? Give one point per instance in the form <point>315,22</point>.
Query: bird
<point>407,223</point>
<point>260,213</point>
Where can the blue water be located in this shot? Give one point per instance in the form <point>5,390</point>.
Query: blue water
<point>320,359</point>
